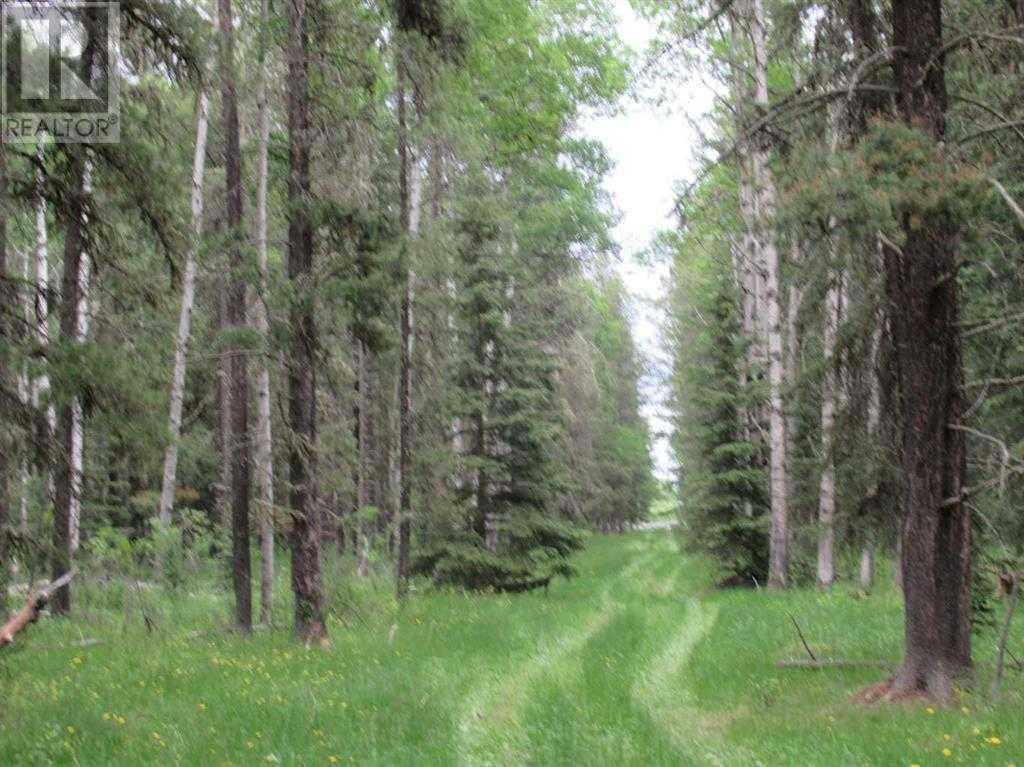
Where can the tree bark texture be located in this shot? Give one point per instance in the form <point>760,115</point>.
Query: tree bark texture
<point>770,261</point>
<point>264,443</point>
<point>188,295</point>
<point>241,471</point>
<point>307,581</point>
<point>924,310</point>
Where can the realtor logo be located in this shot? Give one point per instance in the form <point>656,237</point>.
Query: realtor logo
<point>60,72</point>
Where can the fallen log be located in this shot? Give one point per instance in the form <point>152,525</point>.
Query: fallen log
<point>838,663</point>
<point>30,612</point>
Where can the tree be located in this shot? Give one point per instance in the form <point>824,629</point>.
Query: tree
<point>923,291</point>
<point>238,434</point>
<point>264,442</point>
<point>188,295</point>
<point>758,204</point>
<point>6,344</point>
<point>307,581</point>
<point>410,198</point>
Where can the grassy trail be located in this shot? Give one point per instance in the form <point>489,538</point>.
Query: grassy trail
<point>635,662</point>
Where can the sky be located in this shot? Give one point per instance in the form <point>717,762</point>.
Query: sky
<point>652,149</point>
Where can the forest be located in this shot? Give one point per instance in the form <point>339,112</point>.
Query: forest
<point>343,419</point>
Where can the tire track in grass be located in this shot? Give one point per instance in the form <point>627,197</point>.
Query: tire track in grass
<point>488,731</point>
<point>661,691</point>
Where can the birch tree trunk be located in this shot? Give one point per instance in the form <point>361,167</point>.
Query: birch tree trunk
<point>827,485</point>
<point>793,346</point>
<point>81,331</point>
<point>264,444</point>
<point>41,386</point>
<point>770,262</point>
<point>834,300</point>
<point>73,326</point>
<point>745,252</point>
<point>874,418</point>
<point>188,295</point>
<point>307,580</point>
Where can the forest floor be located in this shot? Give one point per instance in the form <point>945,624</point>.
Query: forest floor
<point>637,661</point>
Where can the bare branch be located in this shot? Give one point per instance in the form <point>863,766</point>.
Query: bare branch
<point>1017,211</point>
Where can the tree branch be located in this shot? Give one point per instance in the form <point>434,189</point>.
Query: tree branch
<point>30,612</point>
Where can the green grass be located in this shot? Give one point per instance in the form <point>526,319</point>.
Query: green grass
<point>636,661</point>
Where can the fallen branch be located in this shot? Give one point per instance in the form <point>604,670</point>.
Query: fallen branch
<point>1017,664</point>
<point>838,663</point>
<point>30,612</point>
<point>801,635</point>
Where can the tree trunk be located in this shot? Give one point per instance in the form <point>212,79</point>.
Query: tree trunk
<point>264,442</point>
<point>222,435</point>
<point>924,310</point>
<point>770,262</point>
<point>307,581</point>
<point>74,324</point>
<point>365,461</point>
<point>188,294</point>
<point>8,300</point>
<point>745,251</point>
<point>827,485</point>
<point>241,479</point>
<point>867,565</point>
<point>410,193</point>
<point>793,345</point>
<point>47,424</point>
<point>867,557</point>
<point>73,327</point>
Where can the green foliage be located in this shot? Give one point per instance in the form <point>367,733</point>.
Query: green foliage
<point>532,551</point>
<point>723,487</point>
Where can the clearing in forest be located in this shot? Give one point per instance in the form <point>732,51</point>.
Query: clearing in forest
<point>635,662</point>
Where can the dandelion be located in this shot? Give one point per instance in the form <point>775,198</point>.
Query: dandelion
<point>965,710</point>
<point>332,759</point>
<point>947,737</point>
<point>946,752</point>
<point>993,741</point>
<point>930,710</point>
<point>71,730</point>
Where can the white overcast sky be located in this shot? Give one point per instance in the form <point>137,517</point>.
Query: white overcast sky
<point>652,148</point>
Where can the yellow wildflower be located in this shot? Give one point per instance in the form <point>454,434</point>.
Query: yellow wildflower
<point>946,752</point>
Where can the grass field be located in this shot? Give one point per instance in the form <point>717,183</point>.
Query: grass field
<point>634,662</point>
